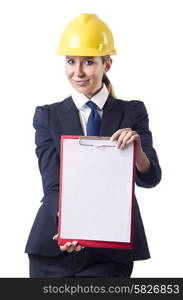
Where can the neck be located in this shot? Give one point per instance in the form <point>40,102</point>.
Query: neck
<point>89,96</point>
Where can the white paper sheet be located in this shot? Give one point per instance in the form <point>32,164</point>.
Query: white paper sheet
<point>96,191</point>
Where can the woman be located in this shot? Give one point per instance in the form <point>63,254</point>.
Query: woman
<point>87,44</point>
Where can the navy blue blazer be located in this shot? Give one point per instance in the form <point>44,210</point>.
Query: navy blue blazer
<point>62,118</point>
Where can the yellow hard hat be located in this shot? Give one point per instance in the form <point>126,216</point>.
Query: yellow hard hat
<point>86,35</point>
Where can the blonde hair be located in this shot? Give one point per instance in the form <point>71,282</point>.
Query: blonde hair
<point>106,80</point>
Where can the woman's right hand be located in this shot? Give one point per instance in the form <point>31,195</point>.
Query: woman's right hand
<point>69,246</point>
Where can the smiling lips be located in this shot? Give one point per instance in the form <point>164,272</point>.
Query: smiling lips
<point>81,82</point>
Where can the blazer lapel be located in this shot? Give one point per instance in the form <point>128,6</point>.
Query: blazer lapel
<point>70,120</point>
<point>111,118</point>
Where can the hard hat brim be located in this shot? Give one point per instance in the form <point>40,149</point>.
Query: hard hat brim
<point>85,52</point>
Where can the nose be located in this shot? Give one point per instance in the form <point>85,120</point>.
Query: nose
<point>79,72</point>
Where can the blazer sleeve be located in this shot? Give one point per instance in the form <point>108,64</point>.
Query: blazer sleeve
<point>48,159</point>
<point>141,124</point>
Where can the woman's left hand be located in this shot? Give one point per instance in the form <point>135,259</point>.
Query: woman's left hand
<point>126,136</point>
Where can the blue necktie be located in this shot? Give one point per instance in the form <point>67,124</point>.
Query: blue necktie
<point>94,121</point>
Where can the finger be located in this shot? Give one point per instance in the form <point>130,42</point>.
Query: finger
<point>122,137</point>
<point>65,247</point>
<point>58,214</point>
<point>117,133</point>
<point>72,247</point>
<point>126,138</point>
<point>132,139</point>
<point>78,248</point>
<point>55,237</point>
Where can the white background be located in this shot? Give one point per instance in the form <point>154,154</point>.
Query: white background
<point>148,67</point>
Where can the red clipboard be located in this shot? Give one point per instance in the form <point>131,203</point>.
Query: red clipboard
<point>86,242</point>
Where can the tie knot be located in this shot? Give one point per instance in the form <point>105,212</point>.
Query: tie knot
<point>92,105</point>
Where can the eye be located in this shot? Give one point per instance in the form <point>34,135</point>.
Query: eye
<point>70,61</point>
<point>89,62</point>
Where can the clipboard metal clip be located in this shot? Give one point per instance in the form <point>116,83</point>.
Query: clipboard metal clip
<point>99,142</point>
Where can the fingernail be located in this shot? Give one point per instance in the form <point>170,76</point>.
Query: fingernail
<point>74,243</point>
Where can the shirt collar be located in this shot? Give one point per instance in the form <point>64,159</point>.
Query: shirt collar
<point>100,98</point>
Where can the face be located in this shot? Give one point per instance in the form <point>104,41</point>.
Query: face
<point>85,73</point>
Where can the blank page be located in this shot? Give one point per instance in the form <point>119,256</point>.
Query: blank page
<point>96,191</point>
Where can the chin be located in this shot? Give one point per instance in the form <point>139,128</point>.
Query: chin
<point>81,89</point>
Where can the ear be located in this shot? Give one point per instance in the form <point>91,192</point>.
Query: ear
<point>108,64</point>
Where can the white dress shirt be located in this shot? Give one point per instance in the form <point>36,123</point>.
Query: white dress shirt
<point>84,110</point>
